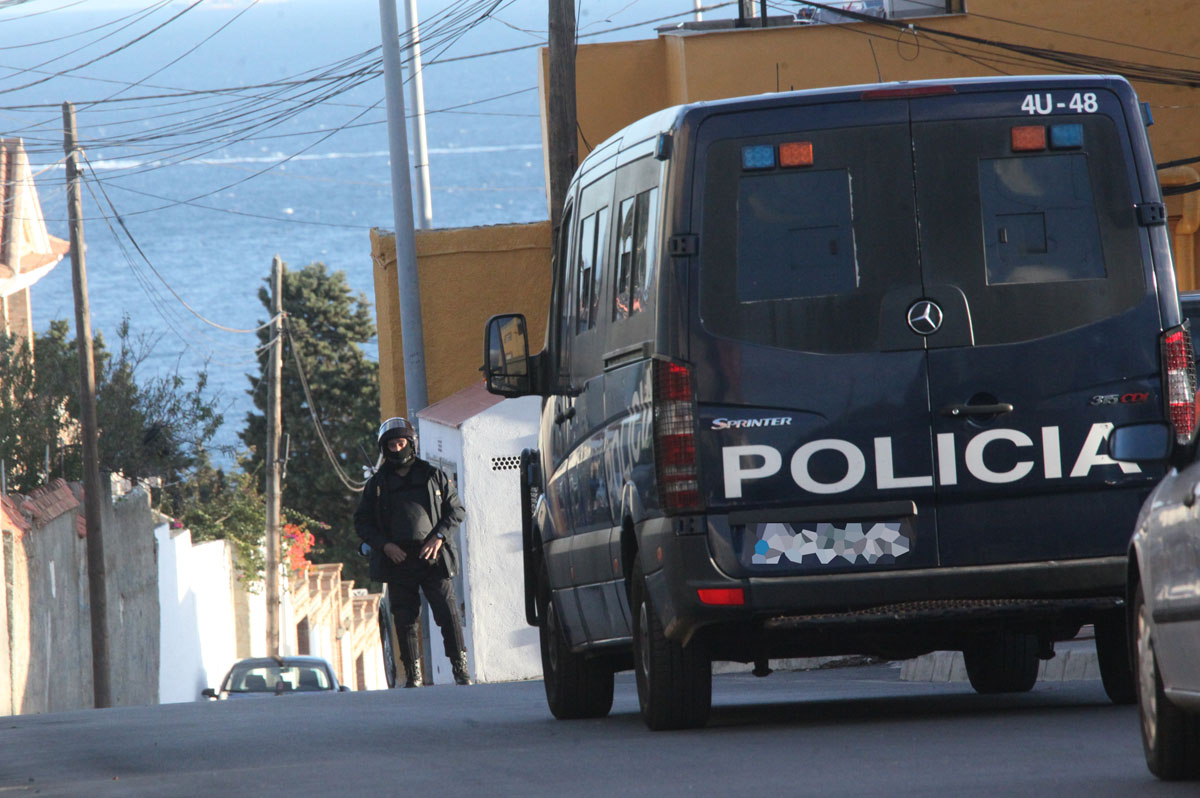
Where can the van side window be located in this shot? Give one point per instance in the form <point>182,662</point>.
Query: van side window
<point>590,265</point>
<point>563,289</point>
<point>635,258</point>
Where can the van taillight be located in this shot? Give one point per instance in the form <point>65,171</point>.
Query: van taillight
<point>675,438</point>
<point>1179,383</point>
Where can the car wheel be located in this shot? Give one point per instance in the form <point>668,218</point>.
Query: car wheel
<point>576,686</point>
<point>1170,736</point>
<point>674,682</point>
<point>387,641</point>
<point>1003,663</point>
<point>1115,658</point>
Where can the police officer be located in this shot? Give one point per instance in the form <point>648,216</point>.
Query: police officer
<point>407,510</point>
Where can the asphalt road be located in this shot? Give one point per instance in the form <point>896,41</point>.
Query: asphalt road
<point>851,731</point>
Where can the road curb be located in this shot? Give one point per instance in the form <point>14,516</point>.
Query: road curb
<point>1074,660</point>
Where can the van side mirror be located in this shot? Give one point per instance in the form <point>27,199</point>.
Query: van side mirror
<point>507,367</point>
<point>1140,443</point>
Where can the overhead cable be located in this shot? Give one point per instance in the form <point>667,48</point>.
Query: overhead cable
<point>352,484</point>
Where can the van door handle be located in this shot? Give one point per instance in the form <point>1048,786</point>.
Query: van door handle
<point>566,416</point>
<point>958,411</point>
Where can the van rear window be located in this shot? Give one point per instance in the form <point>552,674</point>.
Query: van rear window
<point>827,254</point>
<point>1039,222</point>
<point>795,236</point>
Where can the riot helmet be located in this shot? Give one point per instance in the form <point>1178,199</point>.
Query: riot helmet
<point>397,427</point>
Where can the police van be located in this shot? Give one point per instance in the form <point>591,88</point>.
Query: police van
<point>832,372</point>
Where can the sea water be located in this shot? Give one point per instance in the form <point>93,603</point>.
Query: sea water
<point>186,203</point>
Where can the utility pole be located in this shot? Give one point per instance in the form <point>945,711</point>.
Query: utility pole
<point>416,88</point>
<point>411,329</point>
<point>561,127</point>
<point>97,587</point>
<point>274,375</point>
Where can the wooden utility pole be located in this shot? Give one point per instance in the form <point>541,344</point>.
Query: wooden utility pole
<point>97,589</point>
<point>274,462</point>
<point>561,127</point>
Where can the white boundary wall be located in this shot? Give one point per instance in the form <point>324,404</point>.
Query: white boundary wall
<point>500,645</point>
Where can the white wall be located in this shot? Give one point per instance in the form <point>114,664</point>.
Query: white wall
<point>195,595</point>
<point>500,646</point>
<point>442,445</point>
<point>505,647</point>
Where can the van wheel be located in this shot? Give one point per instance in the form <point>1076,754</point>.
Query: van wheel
<point>1170,736</point>
<point>674,682</point>
<point>1115,658</point>
<point>576,686</point>
<point>1003,663</point>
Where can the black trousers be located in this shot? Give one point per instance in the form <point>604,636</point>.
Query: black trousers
<point>416,576</point>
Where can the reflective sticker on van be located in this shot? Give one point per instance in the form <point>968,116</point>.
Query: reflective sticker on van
<point>743,464</point>
<point>880,543</point>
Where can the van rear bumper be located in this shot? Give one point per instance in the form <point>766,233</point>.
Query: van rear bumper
<point>986,591</point>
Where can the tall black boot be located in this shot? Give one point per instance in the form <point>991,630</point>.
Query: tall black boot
<point>459,663</point>
<point>410,652</point>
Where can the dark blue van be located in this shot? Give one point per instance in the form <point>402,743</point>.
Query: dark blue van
<point>833,372</point>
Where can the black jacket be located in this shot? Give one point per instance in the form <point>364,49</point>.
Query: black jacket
<point>441,502</point>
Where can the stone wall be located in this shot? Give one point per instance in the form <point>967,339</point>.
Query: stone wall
<point>47,640</point>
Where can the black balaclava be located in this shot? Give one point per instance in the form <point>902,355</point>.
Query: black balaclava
<point>403,457</point>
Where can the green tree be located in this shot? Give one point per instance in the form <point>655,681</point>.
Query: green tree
<point>148,427</point>
<point>36,408</point>
<point>327,326</point>
<point>157,426</point>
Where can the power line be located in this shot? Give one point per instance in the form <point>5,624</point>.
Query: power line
<point>112,52</point>
<point>157,274</point>
<point>352,484</point>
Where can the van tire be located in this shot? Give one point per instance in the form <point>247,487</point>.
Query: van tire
<point>576,686</point>
<point>674,682</point>
<point>1170,735</point>
<point>1115,657</point>
<point>1006,662</point>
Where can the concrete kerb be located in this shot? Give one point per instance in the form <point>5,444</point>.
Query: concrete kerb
<point>1074,660</point>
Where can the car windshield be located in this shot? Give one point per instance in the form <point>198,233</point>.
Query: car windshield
<point>278,679</point>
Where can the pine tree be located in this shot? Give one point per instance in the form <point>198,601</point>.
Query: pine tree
<point>327,327</point>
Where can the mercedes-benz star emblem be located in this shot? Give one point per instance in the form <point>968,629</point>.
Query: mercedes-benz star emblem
<point>924,317</point>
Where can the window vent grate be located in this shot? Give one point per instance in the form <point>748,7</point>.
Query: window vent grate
<point>510,463</point>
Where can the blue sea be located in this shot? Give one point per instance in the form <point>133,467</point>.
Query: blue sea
<point>192,191</point>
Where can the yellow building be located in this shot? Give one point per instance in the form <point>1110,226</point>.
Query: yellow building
<point>491,270</point>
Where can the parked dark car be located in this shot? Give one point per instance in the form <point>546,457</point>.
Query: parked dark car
<point>267,676</point>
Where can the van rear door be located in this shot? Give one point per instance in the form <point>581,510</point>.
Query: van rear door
<point>1030,243</point>
<point>918,319</point>
<point>812,394</point>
